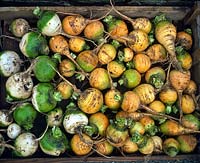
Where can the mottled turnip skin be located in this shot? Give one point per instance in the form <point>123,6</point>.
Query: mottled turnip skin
<point>9,63</point>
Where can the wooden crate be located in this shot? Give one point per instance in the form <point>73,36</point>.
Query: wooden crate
<point>182,15</point>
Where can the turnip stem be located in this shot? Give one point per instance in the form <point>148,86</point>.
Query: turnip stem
<point>180,106</point>
<point>156,113</point>
<point>3,130</point>
<point>10,37</point>
<point>7,146</point>
<point>38,139</point>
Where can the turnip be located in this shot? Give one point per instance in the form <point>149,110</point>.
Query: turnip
<point>43,70</point>
<point>129,146</point>
<point>104,148</point>
<point>157,144</point>
<point>54,142</point>
<point>126,55</point>
<point>191,121</point>
<point>65,90</point>
<point>13,130</point>
<point>19,27</point>
<point>19,86</point>
<point>165,33</point>
<point>48,23</point>
<point>184,39</point>
<point>74,119</point>
<point>24,115</point>
<point>44,97</point>
<point>33,44</point>
<point>9,63</point>
<point>55,117</point>
<point>147,146</point>
<point>157,106</point>
<point>25,144</point>
<point>138,23</point>
<point>5,118</point>
<point>90,100</point>
<point>171,147</point>
<point>78,44</point>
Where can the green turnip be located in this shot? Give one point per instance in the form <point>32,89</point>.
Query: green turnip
<point>54,142</point>
<point>25,115</point>
<point>33,44</point>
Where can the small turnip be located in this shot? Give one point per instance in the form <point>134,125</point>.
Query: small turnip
<point>13,130</point>
<point>5,118</point>
<point>19,27</point>
<point>171,147</point>
<point>55,117</point>
<point>9,63</point>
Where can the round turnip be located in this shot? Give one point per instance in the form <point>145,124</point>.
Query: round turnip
<point>13,130</point>
<point>9,63</point>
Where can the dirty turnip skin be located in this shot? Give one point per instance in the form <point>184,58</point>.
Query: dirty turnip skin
<point>73,120</point>
<point>5,118</point>
<point>26,145</point>
<point>19,27</point>
<point>9,63</point>
<point>13,130</point>
<point>19,85</point>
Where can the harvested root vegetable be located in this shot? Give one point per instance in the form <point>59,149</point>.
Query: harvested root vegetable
<point>157,53</point>
<point>99,79</point>
<point>48,22</point>
<point>113,99</point>
<point>25,145</point>
<point>90,100</point>
<point>187,104</point>
<point>25,115</point>
<point>158,144</point>
<point>137,40</point>
<point>179,80</point>
<point>137,128</point>
<point>13,131</point>
<point>147,146</point>
<point>157,106</point>
<point>44,68</point>
<point>33,44</point>
<point>128,104</point>
<point>44,98</point>
<point>55,117</point>
<point>130,78</point>
<point>155,76</point>
<point>171,147</point>
<point>184,58</point>
<point>116,27</point>
<point>116,134</point>
<point>19,86</point>
<point>77,44</point>
<point>115,68</point>
<point>74,119</point>
<point>126,55</point>
<point>187,143</point>
<point>5,118</point>
<point>184,39</point>
<point>138,23</point>
<point>19,27</point>
<point>100,121</point>
<point>65,90</point>
<point>141,62</point>
<point>104,148</point>
<point>54,142</point>
<point>146,93</point>
<point>130,146</point>
<point>190,121</point>
<point>87,60</point>
<point>94,30</point>
<point>165,33</point>
<point>173,128</point>
<point>149,125</point>
<point>106,53</point>
<point>10,63</point>
<point>168,96</point>
<point>67,68</point>
<point>81,144</point>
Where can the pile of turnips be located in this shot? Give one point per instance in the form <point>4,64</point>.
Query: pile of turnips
<point>112,85</point>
